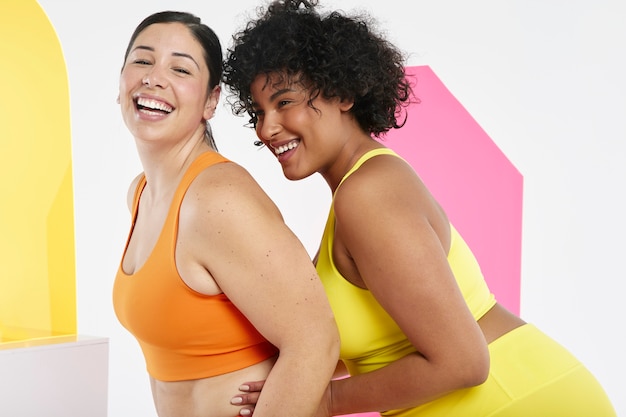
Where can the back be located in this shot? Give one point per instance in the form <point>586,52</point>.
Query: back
<point>183,334</point>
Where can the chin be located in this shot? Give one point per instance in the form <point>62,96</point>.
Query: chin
<point>292,176</point>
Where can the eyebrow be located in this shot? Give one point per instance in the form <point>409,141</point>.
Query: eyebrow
<point>178,54</point>
<point>273,97</point>
<point>280,92</point>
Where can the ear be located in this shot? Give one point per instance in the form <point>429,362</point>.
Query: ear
<point>211,102</point>
<point>346,104</point>
<point>117,100</point>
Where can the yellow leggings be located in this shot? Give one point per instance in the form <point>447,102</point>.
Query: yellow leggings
<point>530,376</point>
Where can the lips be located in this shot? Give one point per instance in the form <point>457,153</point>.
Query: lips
<point>152,105</point>
<point>279,150</point>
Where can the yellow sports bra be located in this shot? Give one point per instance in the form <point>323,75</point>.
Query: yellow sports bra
<point>370,339</point>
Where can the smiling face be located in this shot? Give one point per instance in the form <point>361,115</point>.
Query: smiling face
<point>163,86</point>
<point>305,139</point>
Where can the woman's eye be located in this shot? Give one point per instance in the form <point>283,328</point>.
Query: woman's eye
<point>141,62</point>
<point>182,71</point>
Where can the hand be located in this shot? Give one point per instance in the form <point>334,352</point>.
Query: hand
<point>248,398</point>
<point>250,395</point>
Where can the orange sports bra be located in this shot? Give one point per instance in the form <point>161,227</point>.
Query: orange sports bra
<point>183,334</point>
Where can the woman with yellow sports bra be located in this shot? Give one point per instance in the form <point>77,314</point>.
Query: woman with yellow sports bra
<point>421,333</point>
<point>212,283</point>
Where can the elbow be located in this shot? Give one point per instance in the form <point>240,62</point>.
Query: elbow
<point>477,377</point>
<point>475,370</point>
<point>333,342</point>
<point>466,368</point>
<point>330,333</point>
<point>335,346</point>
<point>323,342</point>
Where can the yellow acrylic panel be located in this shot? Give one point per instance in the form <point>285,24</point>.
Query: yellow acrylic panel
<point>37,251</point>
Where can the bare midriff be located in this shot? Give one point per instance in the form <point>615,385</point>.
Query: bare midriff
<point>207,396</point>
<point>497,322</point>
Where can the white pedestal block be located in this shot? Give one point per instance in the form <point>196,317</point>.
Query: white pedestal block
<point>57,377</point>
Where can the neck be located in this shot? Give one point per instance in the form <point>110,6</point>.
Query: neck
<point>164,166</point>
<point>348,156</point>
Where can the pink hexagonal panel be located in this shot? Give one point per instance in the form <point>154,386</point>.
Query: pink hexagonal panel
<point>472,179</point>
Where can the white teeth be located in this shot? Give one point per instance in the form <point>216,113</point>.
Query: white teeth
<point>285,148</point>
<point>154,104</point>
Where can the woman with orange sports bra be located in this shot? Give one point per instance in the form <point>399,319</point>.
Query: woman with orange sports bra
<point>421,333</point>
<point>212,283</point>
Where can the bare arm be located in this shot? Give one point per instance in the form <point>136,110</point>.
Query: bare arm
<point>263,268</point>
<point>397,237</point>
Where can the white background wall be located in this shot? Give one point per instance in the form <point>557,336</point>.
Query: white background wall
<point>545,79</point>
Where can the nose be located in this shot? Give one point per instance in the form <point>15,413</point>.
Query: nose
<point>154,78</point>
<point>268,126</point>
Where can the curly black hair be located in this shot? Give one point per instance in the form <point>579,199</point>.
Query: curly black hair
<point>333,55</point>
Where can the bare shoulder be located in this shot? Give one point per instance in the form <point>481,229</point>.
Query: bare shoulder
<point>130,194</point>
<point>388,189</point>
<point>227,187</point>
<point>225,207</point>
<point>224,176</point>
<point>384,180</point>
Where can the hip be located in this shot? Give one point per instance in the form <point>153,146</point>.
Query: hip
<point>530,374</point>
<point>205,396</point>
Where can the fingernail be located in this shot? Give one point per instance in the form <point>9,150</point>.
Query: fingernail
<point>245,412</point>
<point>244,388</point>
<point>236,400</point>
